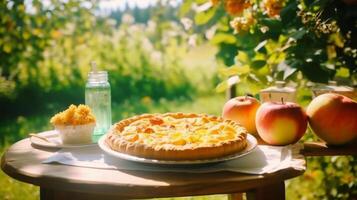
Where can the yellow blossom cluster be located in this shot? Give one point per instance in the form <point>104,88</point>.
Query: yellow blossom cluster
<point>242,23</point>
<point>74,115</point>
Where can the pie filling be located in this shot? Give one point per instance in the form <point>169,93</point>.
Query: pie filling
<point>177,136</point>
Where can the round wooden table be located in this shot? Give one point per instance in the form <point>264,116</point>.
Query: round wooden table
<point>22,161</point>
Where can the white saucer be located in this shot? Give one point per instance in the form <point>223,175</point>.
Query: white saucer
<point>55,140</point>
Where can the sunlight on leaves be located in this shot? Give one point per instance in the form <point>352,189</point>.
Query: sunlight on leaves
<point>223,38</point>
<point>243,57</point>
<point>343,72</point>
<point>203,17</point>
<point>222,86</point>
<point>235,70</point>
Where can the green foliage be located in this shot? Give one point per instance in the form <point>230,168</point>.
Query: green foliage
<point>308,38</point>
<point>27,35</point>
<point>46,53</point>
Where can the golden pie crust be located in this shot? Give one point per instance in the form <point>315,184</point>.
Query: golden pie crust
<point>177,136</point>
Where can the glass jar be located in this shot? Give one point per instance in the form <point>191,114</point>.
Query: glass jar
<point>278,92</point>
<point>98,98</point>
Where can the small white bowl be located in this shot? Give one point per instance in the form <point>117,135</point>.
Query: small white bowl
<point>76,134</point>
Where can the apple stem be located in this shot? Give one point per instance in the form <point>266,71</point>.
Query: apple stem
<point>269,96</point>
<point>282,100</point>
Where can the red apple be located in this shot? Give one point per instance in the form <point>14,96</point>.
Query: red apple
<point>333,118</point>
<point>242,110</point>
<point>280,123</point>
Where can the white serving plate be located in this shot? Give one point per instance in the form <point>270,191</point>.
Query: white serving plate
<point>55,140</point>
<point>252,143</point>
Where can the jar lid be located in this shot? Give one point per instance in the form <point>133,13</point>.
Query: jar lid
<point>279,88</point>
<point>98,76</point>
<point>332,86</point>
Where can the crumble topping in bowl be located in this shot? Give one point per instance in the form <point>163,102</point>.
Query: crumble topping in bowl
<point>75,125</point>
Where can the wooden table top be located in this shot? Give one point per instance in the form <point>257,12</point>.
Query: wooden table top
<point>22,161</point>
<point>322,149</point>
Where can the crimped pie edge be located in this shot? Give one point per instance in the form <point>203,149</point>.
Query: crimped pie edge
<point>223,148</point>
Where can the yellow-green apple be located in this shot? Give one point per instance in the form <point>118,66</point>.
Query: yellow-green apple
<point>333,118</point>
<point>281,123</point>
<point>242,110</point>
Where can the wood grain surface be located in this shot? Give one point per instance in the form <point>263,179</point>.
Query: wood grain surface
<point>322,149</point>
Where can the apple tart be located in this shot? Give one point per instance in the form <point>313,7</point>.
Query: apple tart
<point>177,136</point>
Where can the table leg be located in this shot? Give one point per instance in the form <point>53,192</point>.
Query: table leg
<point>274,191</point>
<point>235,196</point>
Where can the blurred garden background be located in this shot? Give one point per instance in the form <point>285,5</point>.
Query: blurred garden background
<point>168,56</point>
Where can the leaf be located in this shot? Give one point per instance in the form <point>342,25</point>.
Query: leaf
<point>200,1</point>
<point>262,78</point>
<point>21,8</point>
<point>315,72</point>
<point>272,23</point>
<point>222,87</point>
<point>257,64</point>
<point>343,72</point>
<point>226,71</point>
<point>319,3</point>
<point>185,8</point>
<point>331,51</point>
<point>242,69</point>
<point>276,57</point>
<point>243,57</point>
<point>254,84</point>
<point>298,34</point>
<point>248,86</point>
<point>223,38</point>
<point>7,48</point>
<point>204,17</point>
<point>337,39</point>
<point>264,71</point>
<point>227,53</point>
<point>288,13</point>
<point>235,70</point>
<point>26,35</point>
<point>259,56</point>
